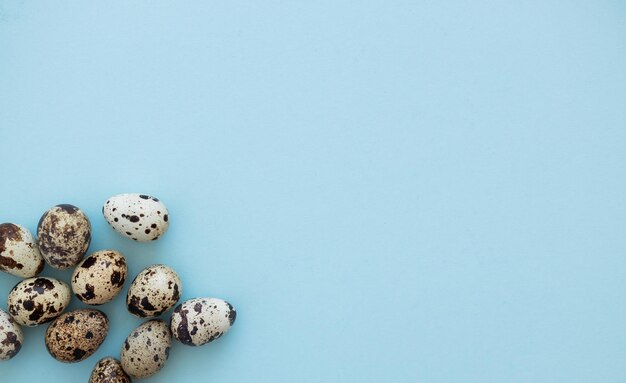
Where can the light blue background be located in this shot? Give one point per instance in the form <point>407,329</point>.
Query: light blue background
<point>388,191</point>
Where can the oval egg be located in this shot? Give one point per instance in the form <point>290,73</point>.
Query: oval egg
<point>139,217</point>
<point>154,290</point>
<point>146,349</point>
<point>99,277</point>
<point>38,300</point>
<point>63,236</point>
<point>77,334</point>
<point>108,370</point>
<point>19,254</point>
<point>202,320</point>
<point>11,336</point>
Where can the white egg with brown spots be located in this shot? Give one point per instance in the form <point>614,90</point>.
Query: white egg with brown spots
<point>140,217</point>
<point>154,290</point>
<point>202,320</point>
<point>146,349</point>
<point>35,301</point>
<point>99,277</point>
<point>19,254</point>
<point>63,236</point>
<point>76,335</point>
<point>11,336</point>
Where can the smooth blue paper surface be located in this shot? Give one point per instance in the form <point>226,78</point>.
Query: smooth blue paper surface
<point>387,191</point>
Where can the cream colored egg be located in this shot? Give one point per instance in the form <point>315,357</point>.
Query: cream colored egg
<point>99,277</point>
<point>146,349</point>
<point>19,254</point>
<point>38,300</point>
<point>11,337</point>
<point>139,217</point>
<point>202,320</point>
<point>154,290</point>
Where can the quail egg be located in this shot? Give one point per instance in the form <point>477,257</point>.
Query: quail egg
<point>154,290</point>
<point>38,300</point>
<point>99,277</point>
<point>76,335</point>
<point>63,236</point>
<point>202,320</point>
<point>139,217</point>
<point>146,349</point>
<point>109,370</point>
<point>11,337</point>
<point>19,254</point>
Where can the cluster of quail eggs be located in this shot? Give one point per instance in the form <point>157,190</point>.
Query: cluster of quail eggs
<point>63,237</point>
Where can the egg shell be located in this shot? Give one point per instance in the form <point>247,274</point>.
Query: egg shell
<point>139,217</point>
<point>63,236</point>
<point>146,349</point>
<point>35,301</point>
<point>76,335</point>
<point>99,277</point>
<point>19,254</point>
<point>154,290</point>
<point>108,370</point>
<point>11,336</point>
<point>202,320</point>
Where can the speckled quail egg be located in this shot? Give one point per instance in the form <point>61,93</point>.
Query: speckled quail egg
<point>108,370</point>
<point>146,349</point>
<point>77,334</point>
<point>11,337</point>
<point>154,290</point>
<point>202,320</point>
<point>38,300</point>
<point>63,236</point>
<point>100,277</point>
<point>19,254</point>
<point>139,217</point>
